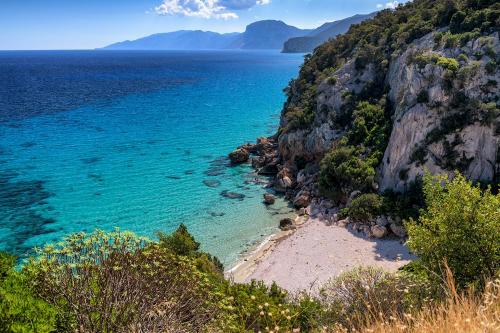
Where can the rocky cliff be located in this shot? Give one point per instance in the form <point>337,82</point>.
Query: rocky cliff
<point>413,89</point>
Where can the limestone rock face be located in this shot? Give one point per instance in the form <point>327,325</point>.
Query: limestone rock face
<point>476,142</point>
<point>432,127</point>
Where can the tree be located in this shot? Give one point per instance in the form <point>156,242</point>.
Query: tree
<point>181,242</point>
<point>461,225</point>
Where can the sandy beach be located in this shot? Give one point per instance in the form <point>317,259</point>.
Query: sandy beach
<point>306,258</point>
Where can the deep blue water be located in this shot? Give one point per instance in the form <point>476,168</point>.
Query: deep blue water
<point>136,140</point>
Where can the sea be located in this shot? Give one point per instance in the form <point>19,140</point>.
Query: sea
<point>137,140</point>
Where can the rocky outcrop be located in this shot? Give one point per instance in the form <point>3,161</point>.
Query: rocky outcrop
<point>423,104</point>
<point>441,107</point>
<point>476,142</point>
<point>239,156</point>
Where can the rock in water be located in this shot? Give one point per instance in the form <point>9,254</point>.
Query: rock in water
<point>286,224</point>
<point>269,199</point>
<point>232,195</point>
<point>211,183</point>
<point>239,156</point>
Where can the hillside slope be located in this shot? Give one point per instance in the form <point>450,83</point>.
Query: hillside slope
<point>411,90</point>
<point>322,34</point>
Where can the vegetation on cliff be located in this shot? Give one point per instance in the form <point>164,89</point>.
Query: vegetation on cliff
<point>352,95</point>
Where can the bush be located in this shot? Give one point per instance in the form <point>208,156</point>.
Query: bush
<point>365,207</point>
<point>448,63</point>
<point>343,171</point>
<point>368,293</point>
<point>20,309</point>
<point>182,243</point>
<point>117,282</point>
<point>462,226</point>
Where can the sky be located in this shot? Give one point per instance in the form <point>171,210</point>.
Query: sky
<point>89,24</point>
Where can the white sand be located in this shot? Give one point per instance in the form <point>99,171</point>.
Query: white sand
<point>315,252</point>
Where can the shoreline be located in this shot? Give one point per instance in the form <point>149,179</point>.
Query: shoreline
<point>314,252</point>
<point>245,266</point>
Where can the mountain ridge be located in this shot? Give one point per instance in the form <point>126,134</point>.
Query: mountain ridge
<point>264,34</point>
<point>318,36</point>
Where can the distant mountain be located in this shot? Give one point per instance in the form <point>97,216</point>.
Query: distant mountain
<point>308,43</point>
<point>178,40</point>
<point>267,34</point>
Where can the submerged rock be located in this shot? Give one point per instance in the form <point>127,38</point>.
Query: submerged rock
<point>211,183</point>
<point>269,199</point>
<point>232,195</point>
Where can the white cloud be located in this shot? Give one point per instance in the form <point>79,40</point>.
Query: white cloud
<point>219,9</point>
<point>390,5</point>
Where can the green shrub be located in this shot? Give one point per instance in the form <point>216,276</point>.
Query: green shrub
<point>365,207</point>
<point>117,282</point>
<point>20,309</point>
<point>180,242</point>
<point>343,171</point>
<point>369,126</point>
<point>368,293</point>
<point>448,63</point>
<point>491,67</point>
<point>462,226</point>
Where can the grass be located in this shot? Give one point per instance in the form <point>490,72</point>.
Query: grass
<point>467,311</point>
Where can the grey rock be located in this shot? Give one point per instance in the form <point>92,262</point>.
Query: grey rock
<point>378,231</point>
<point>269,199</point>
<point>398,230</point>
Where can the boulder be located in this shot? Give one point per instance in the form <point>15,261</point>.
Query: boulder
<point>239,156</point>
<point>344,222</point>
<point>286,224</point>
<point>378,231</point>
<point>302,200</point>
<point>398,230</point>
<point>269,199</point>
<point>382,221</point>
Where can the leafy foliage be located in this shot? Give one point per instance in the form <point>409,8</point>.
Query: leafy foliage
<point>343,171</point>
<point>117,282</point>
<point>365,207</point>
<point>462,226</point>
<point>368,293</point>
<point>20,309</point>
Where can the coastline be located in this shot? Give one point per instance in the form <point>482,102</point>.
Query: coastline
<point>314,252</point>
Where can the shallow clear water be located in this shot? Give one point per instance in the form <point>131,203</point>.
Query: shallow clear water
<point>127,139</point>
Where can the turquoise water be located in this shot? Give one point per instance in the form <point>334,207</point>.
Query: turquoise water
<point>139,152</point>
